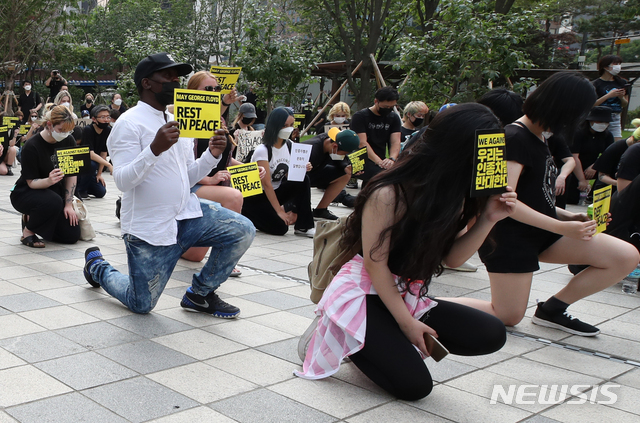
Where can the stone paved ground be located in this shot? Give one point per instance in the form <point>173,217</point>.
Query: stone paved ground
<point>69,353</point>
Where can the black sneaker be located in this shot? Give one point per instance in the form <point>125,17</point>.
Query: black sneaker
<point>9,171</point>
<point>325,214</point>
<point>211,304</point>
<point>353,183</point>
<point>345,199</point>
<point>91,256</point>
<point>563,321</point>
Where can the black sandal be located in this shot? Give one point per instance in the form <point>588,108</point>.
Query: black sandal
<point>31,241</point>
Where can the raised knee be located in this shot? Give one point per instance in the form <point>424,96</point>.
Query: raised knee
<point>236,201</point>
<point>414,392</point>
<point>631,256</point>
<point>511,319</point>
<point>141,309</point>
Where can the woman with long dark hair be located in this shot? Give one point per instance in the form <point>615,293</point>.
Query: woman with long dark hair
<point>405,225</point>
<point>266,210</point>
<point>537,230</point>
<point>611,91</point>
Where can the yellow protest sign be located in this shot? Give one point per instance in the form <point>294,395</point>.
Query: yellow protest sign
<point>298,119</point>
<point>24,129</point>
<point>73,160</point>
<point>601,203</point>
<point>490,164</point>
<point>197,112</point>
<point>246,179</point>
<point>10,121</point>
<point>357,160</point>
<point>226,76</point>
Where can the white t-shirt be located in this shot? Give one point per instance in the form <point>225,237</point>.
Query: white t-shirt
<point>279,164</point>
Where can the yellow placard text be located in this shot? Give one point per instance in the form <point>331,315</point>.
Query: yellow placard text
<point>246,179</point>
<point>197,112</point>
<point>601,204</point>
<point>226,76</point>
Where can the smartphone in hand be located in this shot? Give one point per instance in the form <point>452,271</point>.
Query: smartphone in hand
<point>436,350</point>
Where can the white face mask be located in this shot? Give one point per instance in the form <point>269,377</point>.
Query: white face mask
<point>65,104</point>
<point>547,134</point>
<point>117,102</point>
<point>339,120</point>
<point>34,118</point>
<point>599,127</point>
<point>59,136</point>
<point>615,69</point>
<point>284,133</point>
<point>336,156</point>
<point>27,87</point>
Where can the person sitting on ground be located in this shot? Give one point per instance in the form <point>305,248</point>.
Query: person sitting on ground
<point>87,106</point>
<point>413,117</point>
<point>160,218</point>
<point>537,230</point>
<point>330,169</point>
<point>8,154</point>
<point>609,163</point>
<point>339,114</point>
<point>95,137</point>
<point>43,194</point>
<point>117,104</point>
<point>376,310</point>
<point>64,99</point>
<point>113,115</point>
<point>244,119</point>
<point>266,210</point>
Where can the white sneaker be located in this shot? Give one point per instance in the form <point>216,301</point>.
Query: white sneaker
<point>303,343</point>
<point>465,267</point>
<point>305,232</point>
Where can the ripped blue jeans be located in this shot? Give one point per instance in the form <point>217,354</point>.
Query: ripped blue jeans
<point>229,235</point>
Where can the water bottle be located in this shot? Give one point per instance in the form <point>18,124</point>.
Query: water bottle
<point>630,282</point>
<point>583,198</point>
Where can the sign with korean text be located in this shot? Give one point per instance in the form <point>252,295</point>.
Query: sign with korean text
<point>197,112</point>
<point>24,129</point>
<point>10,121</point>
<point>300,154</point>
<point>601,204</point>
<point>357,160</point>
<point>247,142</point>
<point>246,179</point>
<point>73,160</point>
<point>489,163</point>
<point>299,119</point>
<point>226,76</point>
<point>4,136</point>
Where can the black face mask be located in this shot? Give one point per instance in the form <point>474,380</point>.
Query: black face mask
<point>165,96</point>
<point>247,121</point>
<point>418,121</point>
<point>383,111</point>
<point>89,101</point>
<point>102,125</point>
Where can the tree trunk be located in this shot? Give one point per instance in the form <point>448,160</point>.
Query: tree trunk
<point>503,6</point>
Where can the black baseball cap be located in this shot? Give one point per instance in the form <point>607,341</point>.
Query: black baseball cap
<point>157,62</point>
<point>600,114</point>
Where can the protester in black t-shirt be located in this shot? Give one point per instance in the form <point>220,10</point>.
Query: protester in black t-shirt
<point>378,128</point>
<point>611,91</point>
<point>591,140</point>
<point>330,169</point>
<point>95,137</point>
<point>537,230</point>
<point>29,101</point>
<point>87,106</point>
<point>43,194</point>
<point>609,161</point>
<point>413,117</point>
<point>55,83</point>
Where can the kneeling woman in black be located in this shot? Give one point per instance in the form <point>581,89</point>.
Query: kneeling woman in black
<point>266,210</point>
<point>43,194</point>
<point>405,226</point>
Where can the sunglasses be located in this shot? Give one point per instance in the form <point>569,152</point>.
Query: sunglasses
<point>217,88</point>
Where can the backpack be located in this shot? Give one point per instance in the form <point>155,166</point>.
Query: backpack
<point>249,156</point>
<point>328,255</point>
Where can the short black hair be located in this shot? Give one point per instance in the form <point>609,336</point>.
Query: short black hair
<point>26,81</point>
<point>505,104</point>
<point>97,109</point>
<point>115,114</point>
<point>387,94</point>
<point>77,133</point>
<point>561,102</point>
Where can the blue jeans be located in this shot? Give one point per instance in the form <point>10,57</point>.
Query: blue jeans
<point>229,235</point>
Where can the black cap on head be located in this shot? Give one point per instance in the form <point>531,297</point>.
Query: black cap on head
<point>600,114</point>
<point>157,62</point>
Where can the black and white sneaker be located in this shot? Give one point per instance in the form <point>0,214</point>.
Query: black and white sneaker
<point>563,321</point>
<point>211,304</point>
<point>323,214</point>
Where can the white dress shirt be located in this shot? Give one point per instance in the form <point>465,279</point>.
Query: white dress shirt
<point>156,189</point>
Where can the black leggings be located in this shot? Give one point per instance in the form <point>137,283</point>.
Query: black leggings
<point>393,363</point>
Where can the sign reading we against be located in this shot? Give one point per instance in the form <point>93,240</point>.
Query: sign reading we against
<point>489,175</point>
<point>197,112</point>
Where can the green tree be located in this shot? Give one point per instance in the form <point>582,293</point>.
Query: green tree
<point>469,44</point>
<point>273,58</point>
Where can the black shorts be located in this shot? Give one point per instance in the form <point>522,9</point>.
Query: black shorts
<point>513,247</point>
<point>321,178</point>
